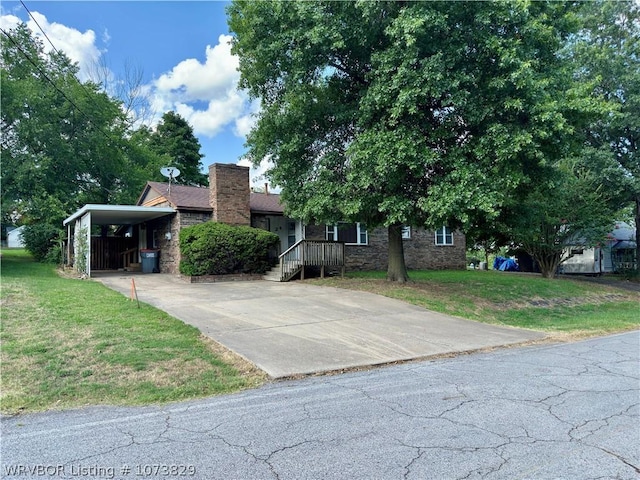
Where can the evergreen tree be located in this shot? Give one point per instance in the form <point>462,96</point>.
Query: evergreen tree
<point>175,140</point>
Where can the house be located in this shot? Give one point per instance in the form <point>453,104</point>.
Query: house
<point>617,253</point>
<point>14,238</point>
<point>163,209</point>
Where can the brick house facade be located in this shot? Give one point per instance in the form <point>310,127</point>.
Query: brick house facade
<point>229,199</point>
<point>420,250</point>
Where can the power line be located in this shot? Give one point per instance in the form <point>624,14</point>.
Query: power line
<point>42,72</point>
<point>84,88</point>
<point>53,84</point>
<point>43,32</point>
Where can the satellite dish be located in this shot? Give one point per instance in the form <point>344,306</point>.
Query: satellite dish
<point>170,172</point>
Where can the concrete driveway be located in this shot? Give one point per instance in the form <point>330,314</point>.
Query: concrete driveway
<point>289,329</point>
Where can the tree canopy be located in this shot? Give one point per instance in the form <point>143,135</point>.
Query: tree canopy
<point>584,194</point>
<point>174,139</point>
<point>61,139</point>
<point>418,113</point>
<point>66,143</point>
<point>606,55</point>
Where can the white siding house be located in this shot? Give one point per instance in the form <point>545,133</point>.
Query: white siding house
<point>614,255</point>
<point>14,238</point>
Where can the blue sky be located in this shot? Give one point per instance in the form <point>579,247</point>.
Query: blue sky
<point>181,48</point>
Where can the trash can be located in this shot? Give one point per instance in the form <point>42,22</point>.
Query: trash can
<point>150,260</point>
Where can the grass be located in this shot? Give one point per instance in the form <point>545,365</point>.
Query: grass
<point>559,306</point>
<point>68,343</point>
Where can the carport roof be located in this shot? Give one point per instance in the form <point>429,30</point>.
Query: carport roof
<point>119,214</point>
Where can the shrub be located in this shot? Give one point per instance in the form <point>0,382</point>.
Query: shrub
<point>213,248</point>
<point>42,241</point>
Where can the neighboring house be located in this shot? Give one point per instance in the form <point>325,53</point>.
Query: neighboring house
<point>162,210</point>
<point>14,238</point>
<point>615,255</point>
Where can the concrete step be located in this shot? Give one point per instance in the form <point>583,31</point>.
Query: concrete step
<point>272,275</point>
<point>271,278</point>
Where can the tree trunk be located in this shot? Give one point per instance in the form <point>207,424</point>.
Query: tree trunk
<point>397,270</point>
<point>548,263</point>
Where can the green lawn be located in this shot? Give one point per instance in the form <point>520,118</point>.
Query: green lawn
<point>560,305</point>
<point>68,342</point>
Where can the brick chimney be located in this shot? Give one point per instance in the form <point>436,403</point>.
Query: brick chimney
<point>229,191</point>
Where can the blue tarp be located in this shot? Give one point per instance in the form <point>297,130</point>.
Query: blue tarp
<point>505,264</point>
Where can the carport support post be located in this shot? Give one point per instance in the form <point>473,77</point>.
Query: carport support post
<point>302,261</point>
<point>68,262</point>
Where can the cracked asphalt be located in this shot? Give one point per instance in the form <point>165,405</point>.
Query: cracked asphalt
<point>567,411</point>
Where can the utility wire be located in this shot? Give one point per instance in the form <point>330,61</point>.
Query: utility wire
<point>36,22</point>
<point>53,84</point>
<point>56,50</point>
<point>42,72</point>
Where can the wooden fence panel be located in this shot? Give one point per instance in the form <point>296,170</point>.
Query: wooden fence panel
<point>106,252</point>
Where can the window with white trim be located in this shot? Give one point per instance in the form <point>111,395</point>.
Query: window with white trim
<point>444,236</point>
<point>349,233</point>
<point>406,232</point>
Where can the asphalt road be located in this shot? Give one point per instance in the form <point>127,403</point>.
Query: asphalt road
<point>565,411</point>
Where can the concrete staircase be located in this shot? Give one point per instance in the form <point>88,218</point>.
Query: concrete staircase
<point>273,275</point>
<point>283,272</point>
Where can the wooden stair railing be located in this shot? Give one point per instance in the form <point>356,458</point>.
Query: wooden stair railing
<point>319,253</point>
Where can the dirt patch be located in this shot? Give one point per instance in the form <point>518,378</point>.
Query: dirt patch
<point>253,374</point>
<point>538,302</point>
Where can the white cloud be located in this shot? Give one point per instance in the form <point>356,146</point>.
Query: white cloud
<point>245,123</point>
<point>8,22</point>
<point>205,94</point>
<point>78,46</point>
<point>257,174</point>
<point>192,80</point>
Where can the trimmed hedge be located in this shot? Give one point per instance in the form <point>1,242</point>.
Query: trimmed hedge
<point>214,248</point>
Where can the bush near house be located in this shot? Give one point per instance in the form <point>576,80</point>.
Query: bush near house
<point>42,241</point>
<point>214,248</point>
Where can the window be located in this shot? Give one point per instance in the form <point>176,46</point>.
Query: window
<point>406,232</point>
<point>444,236</point>
<point>291,234</point>
<point>349,233</point>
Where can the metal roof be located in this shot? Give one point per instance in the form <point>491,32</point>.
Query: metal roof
<point>119,214</point>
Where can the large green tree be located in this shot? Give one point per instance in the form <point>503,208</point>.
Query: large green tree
<point>569,207</point>
<point>396,113</point>
<point>606,55</point>
<point>64,143</point>
<point>61,139</point>
<point>174,139</point>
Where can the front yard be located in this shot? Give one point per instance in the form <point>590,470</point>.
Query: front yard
<point>563,307</point>
<point>69,343</point>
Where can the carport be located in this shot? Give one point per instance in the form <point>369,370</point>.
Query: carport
<point>122,248</point>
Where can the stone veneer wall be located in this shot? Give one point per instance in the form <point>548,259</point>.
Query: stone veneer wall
<point>420,251</point>
<point>229,188</point>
